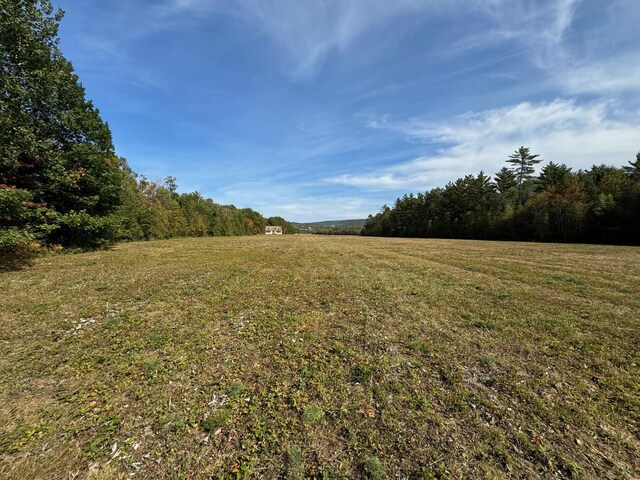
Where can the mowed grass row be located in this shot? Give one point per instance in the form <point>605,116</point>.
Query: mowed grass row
<point>328,357</point>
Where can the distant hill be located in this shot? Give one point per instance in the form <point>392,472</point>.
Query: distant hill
<point>355,223</point>
<point>332,226</point>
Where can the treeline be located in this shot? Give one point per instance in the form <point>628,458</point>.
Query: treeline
<point>154,210</point>
<point>332,227</point>
<point>61,182</point>
<point>338,230</point>
<point>599,205</point>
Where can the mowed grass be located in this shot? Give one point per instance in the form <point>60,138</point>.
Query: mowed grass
<point>325,357</point>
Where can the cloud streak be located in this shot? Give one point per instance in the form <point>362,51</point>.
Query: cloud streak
<point>306,32</point>
<point>562,131</point>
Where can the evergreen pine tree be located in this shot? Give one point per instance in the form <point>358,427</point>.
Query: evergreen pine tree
<point>633,169</point>
<point>523,162</point>
<point>505,180</point>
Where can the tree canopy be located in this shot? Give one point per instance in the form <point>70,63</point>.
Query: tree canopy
<point>60,180</point>
<point>600,205</point>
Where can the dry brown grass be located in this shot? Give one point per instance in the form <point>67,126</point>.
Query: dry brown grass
<point>331,357</point>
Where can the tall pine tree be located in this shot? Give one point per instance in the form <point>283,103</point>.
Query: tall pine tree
<point>633,169</point>
<point>523,162</point>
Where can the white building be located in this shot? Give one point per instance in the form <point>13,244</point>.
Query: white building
<point>273,230</point>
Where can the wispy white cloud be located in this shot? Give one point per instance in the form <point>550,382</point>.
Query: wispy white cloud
<point>305,33</point>
<point>562,131</point>
<point>603,60</point>
<point>335,208</point>
<point>308,31</point>
<point>612,76</point>
<point>540,26</point>
<point>599,60</point>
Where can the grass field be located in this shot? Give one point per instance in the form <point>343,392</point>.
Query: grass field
<point>327,357</point>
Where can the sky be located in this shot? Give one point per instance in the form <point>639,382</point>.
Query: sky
<point>328,109</point>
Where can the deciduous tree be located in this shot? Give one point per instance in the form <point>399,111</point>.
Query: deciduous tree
<point>56,153</point>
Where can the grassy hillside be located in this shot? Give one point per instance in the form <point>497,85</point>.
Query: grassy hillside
<point>358,222</point>
<point>332,226</point>
<point>309,356</point>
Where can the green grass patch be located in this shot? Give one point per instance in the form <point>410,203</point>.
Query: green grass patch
<point>313,414</point>
<point>215,420</point>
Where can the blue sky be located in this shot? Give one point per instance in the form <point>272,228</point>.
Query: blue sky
<point>328,109</point>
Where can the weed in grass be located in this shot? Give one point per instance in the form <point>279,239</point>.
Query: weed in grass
<point>313,414</point>
<point>215,420</point>
<point>420,346</point>
<point>571,279</point>
<point>306,375</point>
<point>381,396</point>
<point>374,468</point>
<point>568,466</point>
<point>362,373</point>
<point>151,368</point>
<point>535,451</point>
<point>427,474</point>
<point>23,435</point>
<point>294,463</point>
<point>481,323</point>
<point>173,424</point>
<point>337,348</point>
<point>486,325</point>
<point>469,316</point>
<point>107,424</point>
<point>422,403</point>
<point>349,433</point>
<point>487,361</point>
<point>157,338</point>
<point>450,375</point>
<point>236,390</point>
<point>439,472</point>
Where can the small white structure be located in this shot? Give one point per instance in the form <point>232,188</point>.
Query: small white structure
<point>273,230</point>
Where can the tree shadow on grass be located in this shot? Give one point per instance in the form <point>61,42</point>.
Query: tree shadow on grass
<point>12,263</point>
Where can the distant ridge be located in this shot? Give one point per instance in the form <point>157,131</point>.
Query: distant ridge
<point>354,223</point>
